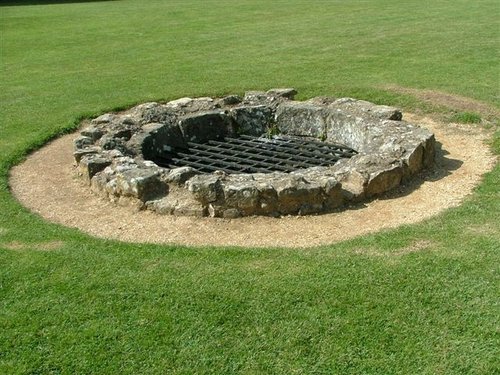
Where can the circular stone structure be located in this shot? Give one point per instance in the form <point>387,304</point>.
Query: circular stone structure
<point>131,157</point>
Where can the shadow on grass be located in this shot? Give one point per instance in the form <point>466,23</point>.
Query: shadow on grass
<point>47,2</point>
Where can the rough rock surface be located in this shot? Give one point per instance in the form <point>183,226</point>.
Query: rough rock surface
<point>114,153</point>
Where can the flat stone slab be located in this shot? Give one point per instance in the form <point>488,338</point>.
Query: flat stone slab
<point>115,153</point>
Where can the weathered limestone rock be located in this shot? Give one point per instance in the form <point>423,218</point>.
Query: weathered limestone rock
<point>108,142</point>
<point>252,120</point>
<point>358,123</point>
<point>82,142</point>
<point>123,133</point>
<point>255,97</point>
<point>205,188</point>
<point>104,119</point>
<point>154,138</point>
<point>353,184</point>
<point>304,119</point>
<point>241,194</point>
<point>188,105</point>
<point>295,194</point>
<point>231,100</point>
<point>153,113</point>
<point>176,202</point>
<point>118,154</point>
<point>288,93</point>
<point>268,198</point>
<point>180,175</point>
<point>231,213</point>
<point>93,133</point>
<point>379,174</point>
<point>332,190</point>
<point>414,159</point>
<point>189,207</point>
<point>429,151</point>
<point>143,184</point>
<point>272,98</point>
<point>92,164</point>
<point>366,109</point>
<point>81,152</point>
<point>321,101</point>
<point>205,126</point>
<point>384,180</point>
<point>346,128</point>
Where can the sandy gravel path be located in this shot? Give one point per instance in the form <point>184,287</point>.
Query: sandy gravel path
<point>46,184</point>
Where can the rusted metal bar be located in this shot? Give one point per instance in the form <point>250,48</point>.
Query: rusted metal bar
<point>235,150</point>
<point>265,151</point>
<point>224,160</point>
<point>285,148</point>
<point>248,154</point>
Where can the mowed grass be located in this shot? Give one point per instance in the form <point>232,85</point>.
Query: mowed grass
<point>422,299</point>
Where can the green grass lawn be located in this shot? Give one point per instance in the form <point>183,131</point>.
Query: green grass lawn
<point>70,303</point>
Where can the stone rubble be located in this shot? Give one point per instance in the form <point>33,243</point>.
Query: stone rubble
<point>114,152</point>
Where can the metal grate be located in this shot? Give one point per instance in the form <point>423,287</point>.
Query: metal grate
<point>251,155</point>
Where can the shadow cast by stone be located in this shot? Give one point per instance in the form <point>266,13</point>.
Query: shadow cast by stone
<point>443,167</point>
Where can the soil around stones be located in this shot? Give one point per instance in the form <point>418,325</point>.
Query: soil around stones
<point>46,184</point>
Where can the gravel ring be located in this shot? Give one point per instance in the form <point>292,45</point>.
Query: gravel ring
<point>46,184</point>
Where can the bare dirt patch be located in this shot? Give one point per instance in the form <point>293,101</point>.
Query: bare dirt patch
<point>488,230</point>
<point>456,102</point>
<point>42,246</point>
<point>416,246</point>
<point>55,194</point>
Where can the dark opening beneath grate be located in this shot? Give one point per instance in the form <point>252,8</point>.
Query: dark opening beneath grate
<point>248,154</point>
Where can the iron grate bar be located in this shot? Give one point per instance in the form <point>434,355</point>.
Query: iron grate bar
<point>235,151</point>
<point>204,165</point>
<point>286,149</point>
<point>252,154</point>
<point>263,151</point>
<point>222,159</point>
<point>337,148</point>
<point>231,163</point>
<point>310,145</point>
